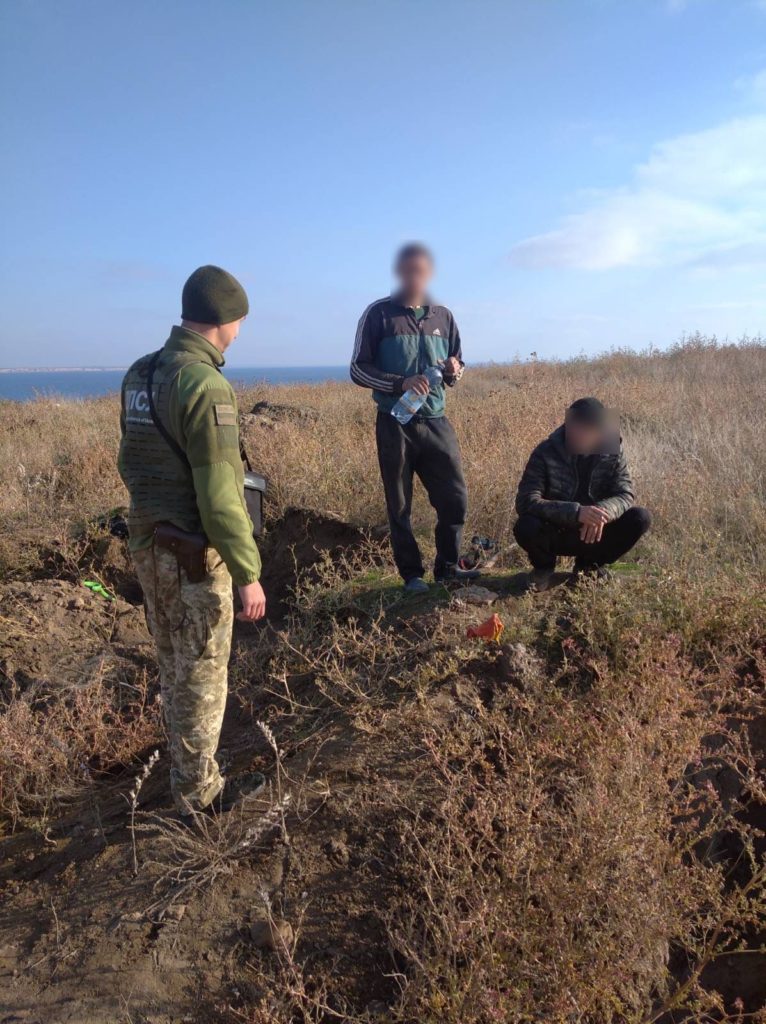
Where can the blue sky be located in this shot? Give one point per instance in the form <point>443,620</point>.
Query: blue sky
<point>590,173</point>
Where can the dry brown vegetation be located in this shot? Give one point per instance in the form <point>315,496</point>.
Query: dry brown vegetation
<point>565,826</point>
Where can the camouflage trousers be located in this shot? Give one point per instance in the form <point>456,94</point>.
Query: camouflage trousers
<point>191,624</point>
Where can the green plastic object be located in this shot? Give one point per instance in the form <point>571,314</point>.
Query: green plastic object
<point>98,588</point>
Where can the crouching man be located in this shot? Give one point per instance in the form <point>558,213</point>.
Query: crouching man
<point>576,497</point>
<point>190,534</point>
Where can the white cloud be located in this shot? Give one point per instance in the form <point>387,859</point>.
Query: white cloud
<point>699,198</point>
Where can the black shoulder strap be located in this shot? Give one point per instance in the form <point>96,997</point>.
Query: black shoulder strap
<point>174,445</point>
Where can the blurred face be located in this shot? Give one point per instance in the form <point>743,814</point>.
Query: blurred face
<point>583,439</point>
<point>414,274</point>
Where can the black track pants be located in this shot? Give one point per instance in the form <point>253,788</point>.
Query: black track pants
<point>428,449</point>
<point>543,541</point>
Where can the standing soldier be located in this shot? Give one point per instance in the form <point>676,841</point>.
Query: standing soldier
<point>398,338</point>
<point>190,534</point>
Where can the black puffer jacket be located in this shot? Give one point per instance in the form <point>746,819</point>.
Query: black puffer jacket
<point>549,484</point>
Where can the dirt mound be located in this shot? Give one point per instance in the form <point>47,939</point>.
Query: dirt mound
<point>56,632</point>
<point>295,544</point>
<point>77,694</point>
<point>101,551</point>
<point>291,548</point>
<point>98,550</point>
<point>268,414</point>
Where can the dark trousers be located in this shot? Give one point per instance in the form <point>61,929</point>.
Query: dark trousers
<point>428,449</point>
<point>543,541</point>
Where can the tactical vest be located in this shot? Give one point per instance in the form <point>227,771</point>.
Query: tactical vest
<point>160,485</point>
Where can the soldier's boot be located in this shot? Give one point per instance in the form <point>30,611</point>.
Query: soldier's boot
<point>239,789</point>
<point>235,793</point>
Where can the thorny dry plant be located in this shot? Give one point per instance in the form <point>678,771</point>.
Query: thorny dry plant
<point>571,836</point>
<point>191,857</point>
<point>192,854</point>
<point>50,737</point>
<point>132,798</point>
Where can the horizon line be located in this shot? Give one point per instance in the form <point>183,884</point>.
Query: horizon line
<point>99,369</point>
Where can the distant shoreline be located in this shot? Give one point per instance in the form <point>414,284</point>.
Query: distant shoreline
<point>20,385</point>
<point>62,369</point>
<point>122,369</point>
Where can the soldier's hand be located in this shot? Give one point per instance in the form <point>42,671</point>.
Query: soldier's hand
<point>253,602</point>
<point>418,383</point>
<point>592,515</point>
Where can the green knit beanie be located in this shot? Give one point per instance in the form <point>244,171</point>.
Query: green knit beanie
<point>213,296</point>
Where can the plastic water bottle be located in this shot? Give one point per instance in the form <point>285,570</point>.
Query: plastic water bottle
<point>411,402</point>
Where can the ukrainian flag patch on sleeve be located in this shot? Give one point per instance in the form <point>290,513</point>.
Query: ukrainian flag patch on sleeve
<point>225,415</point>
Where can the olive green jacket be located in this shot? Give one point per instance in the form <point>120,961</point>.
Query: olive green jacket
<point>198,408</point>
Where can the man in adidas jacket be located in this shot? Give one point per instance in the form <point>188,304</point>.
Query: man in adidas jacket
<point>397,339</point>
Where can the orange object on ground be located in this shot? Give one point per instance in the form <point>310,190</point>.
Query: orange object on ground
<point>492,629</point>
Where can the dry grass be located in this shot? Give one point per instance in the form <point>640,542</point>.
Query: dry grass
<point>191,859</point>
<point>549,864</point>
<point>693,426</point>
<point>566,824</point>
<point>54,742</point>
<point>570,827</point>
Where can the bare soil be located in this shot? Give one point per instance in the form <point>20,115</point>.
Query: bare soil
<point>56,631</point>
<point>79,940</point>
<point>295,544</point>
<point>85,941</point>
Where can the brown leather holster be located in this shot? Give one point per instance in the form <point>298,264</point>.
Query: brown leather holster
<point>190,549</point>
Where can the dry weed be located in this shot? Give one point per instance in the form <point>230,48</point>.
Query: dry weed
<point>190,857</point>
<point>55,743</point>
<point>578,842</point>
<point>692,420</point>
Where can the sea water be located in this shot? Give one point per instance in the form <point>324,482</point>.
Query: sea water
<point>21,385</point>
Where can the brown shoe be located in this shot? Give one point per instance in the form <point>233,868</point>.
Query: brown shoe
<point>539,580</point>
<point>596,573</point>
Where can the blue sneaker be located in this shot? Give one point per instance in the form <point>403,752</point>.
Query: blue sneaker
<point>417,585</point>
